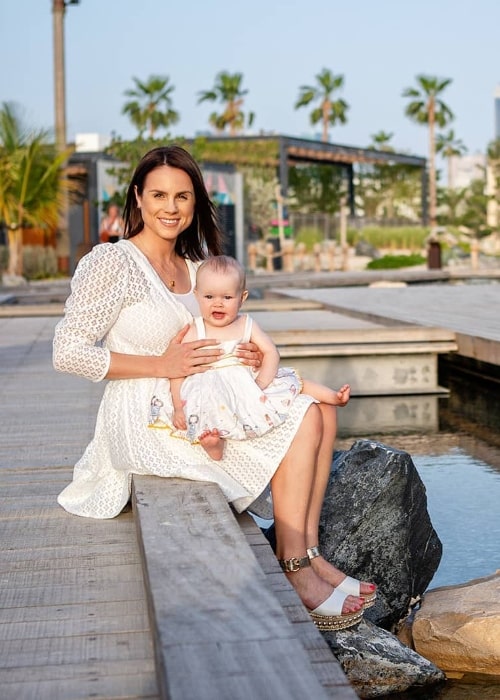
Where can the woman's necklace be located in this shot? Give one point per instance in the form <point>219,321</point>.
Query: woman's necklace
<point>167,272</point>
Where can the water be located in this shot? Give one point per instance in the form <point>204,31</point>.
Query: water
<point>461,474</point>
<point>463,497</point>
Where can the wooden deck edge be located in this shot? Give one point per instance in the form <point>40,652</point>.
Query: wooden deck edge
<point>366,349</point>
<point>222,625</point>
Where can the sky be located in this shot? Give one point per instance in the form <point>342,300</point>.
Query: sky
<point>278,45</point>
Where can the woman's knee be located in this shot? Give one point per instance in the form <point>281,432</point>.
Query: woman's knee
<point>312,424</point>
<point>328,415</point>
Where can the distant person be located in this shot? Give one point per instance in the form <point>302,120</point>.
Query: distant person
<point>231,401</point>
<point>112,226</point>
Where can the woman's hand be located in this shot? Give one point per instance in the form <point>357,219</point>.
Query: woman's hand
<point>182,359</point>
<point>250,354</point>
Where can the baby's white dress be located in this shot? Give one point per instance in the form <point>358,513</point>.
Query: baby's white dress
<point>227,396</point>
<point>118,303</point>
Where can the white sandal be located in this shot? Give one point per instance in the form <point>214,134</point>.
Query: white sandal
<point>349,585</point>
<point>328,615</point>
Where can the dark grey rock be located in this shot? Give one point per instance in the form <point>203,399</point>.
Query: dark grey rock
<point>375,526</point>
<point>377,664</point>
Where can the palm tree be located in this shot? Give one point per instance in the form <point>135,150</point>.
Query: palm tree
<point>329,112</point>
<point>227,89</point>
<point>151,106</point>
<point>32,186</point>
<point>381,141</point>
<point>448,145</point>
<point>426,107</point>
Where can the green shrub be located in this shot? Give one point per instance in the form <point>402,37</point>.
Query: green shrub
<point>309,235</point>
<point>398,237</point>
<point>390,262</point>
<point>39,262</point>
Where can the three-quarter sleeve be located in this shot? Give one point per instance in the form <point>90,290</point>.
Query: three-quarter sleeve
<point>98,289</point>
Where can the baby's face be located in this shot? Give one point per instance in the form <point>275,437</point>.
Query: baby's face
<point>219,296</point>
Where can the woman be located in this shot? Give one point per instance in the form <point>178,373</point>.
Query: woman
<point>124,321</point>
<point>112,226</point>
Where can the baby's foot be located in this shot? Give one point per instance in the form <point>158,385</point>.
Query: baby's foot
<point>212,443</point>
<point>342,395</point>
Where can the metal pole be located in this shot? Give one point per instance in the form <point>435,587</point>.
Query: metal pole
<point>62,236</point>
<point>58,10</point>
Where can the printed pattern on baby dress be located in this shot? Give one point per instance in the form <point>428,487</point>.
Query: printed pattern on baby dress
<point>227,397</point>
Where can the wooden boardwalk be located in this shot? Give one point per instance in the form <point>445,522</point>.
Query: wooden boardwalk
<point>471,311</point>
<point>74,621</point>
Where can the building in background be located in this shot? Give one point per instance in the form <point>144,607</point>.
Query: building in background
<point>464,169</point>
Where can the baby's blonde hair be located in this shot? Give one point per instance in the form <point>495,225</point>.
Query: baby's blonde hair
<point>220,264</point>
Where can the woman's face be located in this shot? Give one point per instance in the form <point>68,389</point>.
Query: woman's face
<point>167,202</point>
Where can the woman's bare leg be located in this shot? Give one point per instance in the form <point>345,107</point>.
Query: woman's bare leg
<point>324,463</point>
<point>292,487</point>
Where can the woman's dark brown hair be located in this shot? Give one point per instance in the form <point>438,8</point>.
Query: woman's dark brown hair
<point>203,236</point>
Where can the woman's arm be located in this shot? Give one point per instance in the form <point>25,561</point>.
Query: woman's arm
<point>178,361</point>
<point>270,356</point>
<point>98,289</point>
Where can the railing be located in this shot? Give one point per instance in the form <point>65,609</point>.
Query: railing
<point>291,256</point>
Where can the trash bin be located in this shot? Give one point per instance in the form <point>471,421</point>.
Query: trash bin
<point>434,255</point>
<point>276,243</point>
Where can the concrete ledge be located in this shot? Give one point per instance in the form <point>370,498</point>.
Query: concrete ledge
<point>219,630</point>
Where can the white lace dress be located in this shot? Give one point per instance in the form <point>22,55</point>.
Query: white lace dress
<point>118,303</point>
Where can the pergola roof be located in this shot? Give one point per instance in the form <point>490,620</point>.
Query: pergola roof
<point>298,149</point>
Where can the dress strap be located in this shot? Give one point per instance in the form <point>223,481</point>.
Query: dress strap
<point>247,333</point>
<point>200,328</point>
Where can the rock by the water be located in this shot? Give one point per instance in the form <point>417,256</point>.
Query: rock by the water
<point>377,663</point>
<point>458,627</point>
<point>375,526</point>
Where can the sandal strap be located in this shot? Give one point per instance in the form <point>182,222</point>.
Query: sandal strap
<point>289,566</point>
<point>332,605</point>
<point>313,552</point>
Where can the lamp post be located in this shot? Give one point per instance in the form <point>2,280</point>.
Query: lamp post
<point>58,10</point>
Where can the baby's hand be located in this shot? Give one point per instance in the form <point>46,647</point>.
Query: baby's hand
<point>343,395</point>
<point>179,419</point>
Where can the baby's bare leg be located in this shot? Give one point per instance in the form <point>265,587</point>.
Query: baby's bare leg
<point>323,394</point>
<point>212,443</point>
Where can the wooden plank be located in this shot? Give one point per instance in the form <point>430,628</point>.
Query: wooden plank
<point>74,619</point>
<point>365,349</point>
<point>99,685</point>
<point>219,632</point>
<point>110,610</point>
<point>76,648</point>
<point>381,334</point>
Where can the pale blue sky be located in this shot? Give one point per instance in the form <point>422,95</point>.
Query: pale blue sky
<point>278,45</point>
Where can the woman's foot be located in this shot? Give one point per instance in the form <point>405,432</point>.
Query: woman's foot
<point>313,591</point>
<point>212,443</point>
<point>335,577</point>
